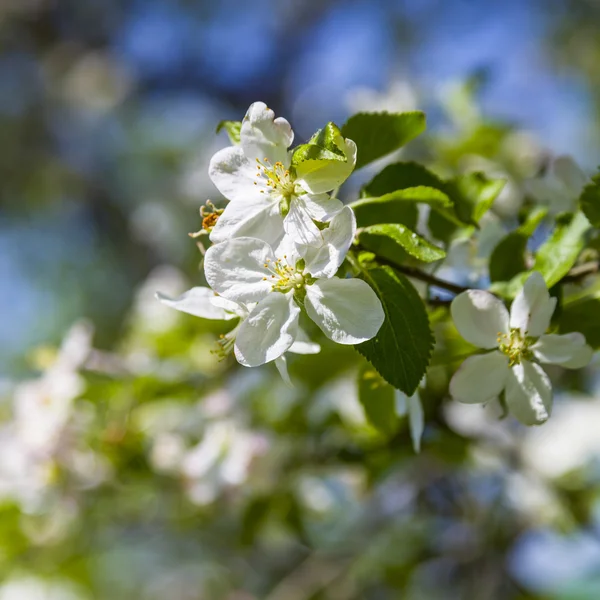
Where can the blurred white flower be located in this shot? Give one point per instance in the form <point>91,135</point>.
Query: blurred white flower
<point>568,442</point>
<point>560,186</point>
<point>399,97</point>
<point>518,342</point>
<point>221,460</point>
<point>43,433</point>
<point>35,588</point>
<point>167,452</point>
<point>411,406</point>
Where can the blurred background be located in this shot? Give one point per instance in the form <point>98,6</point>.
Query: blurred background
<point>133,464</point>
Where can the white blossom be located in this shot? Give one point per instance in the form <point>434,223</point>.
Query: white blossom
<point>203,302</point>
<point>221,460</point>
<point>266,196</point>
<point>248,270</point>
<point>29,587</point>
<point>518,343</point>
<point>560,186</point>
<point>42,435</point>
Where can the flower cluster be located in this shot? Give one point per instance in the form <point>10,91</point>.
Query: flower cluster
<point>518,343</point>
<point>277,247</point>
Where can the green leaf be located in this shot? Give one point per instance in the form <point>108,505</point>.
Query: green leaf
<point>473,195</point>
<point>324,159</point>
<point>583,315</point>
<point>398,207</point>
<point>394,241</point>
<point>555,256</point>
<point>233,129</point>
<point>324,145</point>
<point>589,201</point>
<point>401,349</point>
<point>378,134</point>
<point>378,400</point>
<point>508,257</point>
<point>399,176</point>
<point>558,254</point>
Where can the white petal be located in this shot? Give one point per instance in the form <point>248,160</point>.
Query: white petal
<point>529,393</point>
<point>234,175</point>
<point>325,260</point>
<point>400,401</point>
<point>317,177</point>
<point>236,270</point>
<point>532,309</point>
<point>347,310</point>
<point>269,330</point>
<point>416,420</point>
<point>303,344</point>
<point>198,302</point>
<point>321,207</point>
<point>544,190</point>
<point>263,136</point>
<point>241,310</point>
<point>479,317</point>
<point>569,350</point>
<point>281,364</point>
<point>480,378</point>
<point>288,248</point>
<point>567,171</point>
<point>258,218</point>
<point>299,225</point>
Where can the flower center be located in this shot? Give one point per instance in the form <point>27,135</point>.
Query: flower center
<point>226,343</point>
<point>209,214</point>
<point>209,221</point>
<point>283,276</point>
<point>278,178</point>
<point>516,346</point>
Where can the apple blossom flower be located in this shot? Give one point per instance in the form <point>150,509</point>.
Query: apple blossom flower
<point>203,302</point>
<point>560,186</point>
<point>221,460</point>
<point>266,194</point>
<point>45,433</point>
<point>248,270</point>
<point>518,343</point>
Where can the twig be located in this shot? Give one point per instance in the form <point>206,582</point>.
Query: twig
<point>423,276</point>
<point>581,271</point>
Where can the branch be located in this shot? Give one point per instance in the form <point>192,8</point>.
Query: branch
<point>423,276</point>
<point>581,271</point>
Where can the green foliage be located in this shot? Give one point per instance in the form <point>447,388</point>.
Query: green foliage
<point>582,314</point>
<point>508,257</point>
<point>233,129</point>
<point>324,145</point>
<point>399,206</point>
<point>394,241</point>
<point>555,256</point>
<point>589,201</point>
<point>558,254</point>
<point>473,195</point>
<point>392,195</point>
<point>400,351</point>
<point>325,157</point>
<point>378,134</point>
<point>398,176</point>
<point>378,400</point>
